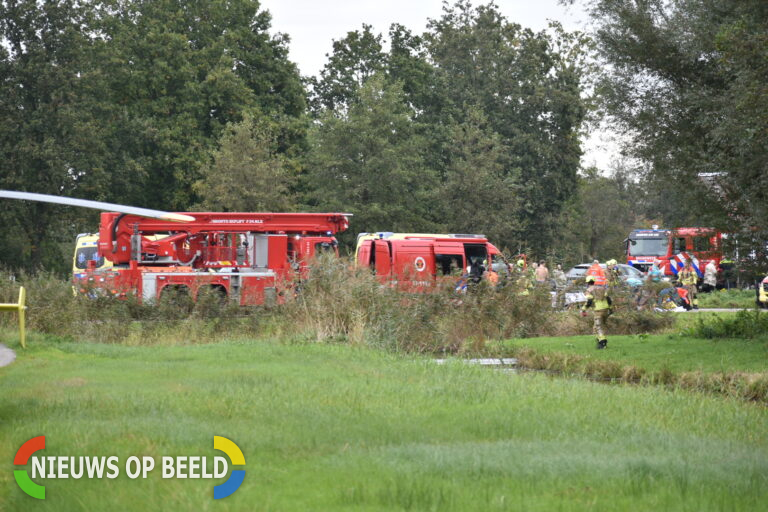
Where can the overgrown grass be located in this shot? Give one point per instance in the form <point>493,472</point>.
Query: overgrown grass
<point>744,324</point>
<point>334,305</point>
<point>54,309</point>
<point>733,298</point>
<point>330,427</point>
<point>656,352</point>
<point>734,367</point>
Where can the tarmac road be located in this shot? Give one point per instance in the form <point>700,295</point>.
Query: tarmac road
<point>715,310</point>
<point>7,356</point>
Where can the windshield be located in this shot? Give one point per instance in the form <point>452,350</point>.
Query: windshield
<point>577,272</point>
<point>499,264</point>
<point>84,254</point>
<point>648,247</point>
<point>632,272</point>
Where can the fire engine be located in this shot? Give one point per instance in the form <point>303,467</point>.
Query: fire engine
<point>250,258</point>
<point>417,261</point>
<point>672,247</point>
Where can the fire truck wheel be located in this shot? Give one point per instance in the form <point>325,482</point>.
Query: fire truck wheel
<point>215,293</point>
<point>177,299</point>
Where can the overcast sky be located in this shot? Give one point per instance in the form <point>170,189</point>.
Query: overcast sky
<point>313,25</point>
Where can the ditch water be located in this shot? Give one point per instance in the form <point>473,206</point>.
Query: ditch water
<point>505,364</point>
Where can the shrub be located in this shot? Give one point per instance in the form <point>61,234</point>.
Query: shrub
<point>745,324</point>
<point>734,298</point>
<point>53,308</point>
<point>334,304</point>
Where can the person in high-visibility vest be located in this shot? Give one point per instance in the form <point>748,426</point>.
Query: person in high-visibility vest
<point>600,304</point>
<point>727,265</point>
<point>688,278</point>
<point>596,271</point>
<point>613,274</point>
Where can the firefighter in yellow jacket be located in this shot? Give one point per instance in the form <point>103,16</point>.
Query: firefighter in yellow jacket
<point>600,303</point>
<point>688,279</point>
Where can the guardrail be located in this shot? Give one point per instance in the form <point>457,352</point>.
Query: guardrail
<point>20,308</point>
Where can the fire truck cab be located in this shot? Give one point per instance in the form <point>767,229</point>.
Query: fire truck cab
<point>672,247</point>
<point>416,261</point>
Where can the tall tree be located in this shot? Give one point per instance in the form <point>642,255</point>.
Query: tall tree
<point>598,219</point>
<point>477,195</point>
<point>529,87</point>
<point>526,86</point>
<point>693,101</point>
<point>49,135</point>
<point>123,101</point>
<point>178,72</point>
<point>247,173</point>
<point>368,160</point>
<point>355,59</point>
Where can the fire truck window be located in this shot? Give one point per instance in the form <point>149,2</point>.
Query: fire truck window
<point>84,254</point>
<point>323,247</point>
<point>476,254</point>
<point>448,263</point>
<point>680,245</point>
<point>701,243</point>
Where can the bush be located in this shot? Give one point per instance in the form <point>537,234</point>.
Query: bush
<point>746,324</point>
<point>335,304</point>
<point>53,308</point>
<point>733,298</point>
<point>338,304</point>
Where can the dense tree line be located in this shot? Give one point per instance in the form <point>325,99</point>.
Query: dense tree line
<point>474,125</point>
<point>471,126</point>
<point>124,101</point>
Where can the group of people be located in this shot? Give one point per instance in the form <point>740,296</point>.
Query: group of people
<point>603,283</point>
<point>683,293</point>
<point>538,275</point>
<point>685,290</point>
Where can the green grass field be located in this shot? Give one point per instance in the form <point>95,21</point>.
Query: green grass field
<point>333,427</point>
<point>654,352</point>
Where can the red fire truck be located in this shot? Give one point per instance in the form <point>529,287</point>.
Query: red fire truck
<point>250,258</point>
<point>415,262</point>
<point>672,247</point>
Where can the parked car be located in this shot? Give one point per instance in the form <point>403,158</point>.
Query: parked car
<point>629,274</point>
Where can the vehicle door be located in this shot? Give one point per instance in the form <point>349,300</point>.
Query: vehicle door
<point>450,262</point>
<point>382,250</point>
<point>364,254</point>
<point>414,265</point>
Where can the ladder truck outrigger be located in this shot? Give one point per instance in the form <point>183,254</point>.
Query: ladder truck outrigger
<point>248,258</point>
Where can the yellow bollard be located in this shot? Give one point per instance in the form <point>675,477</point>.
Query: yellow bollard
<point>20,308</point>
